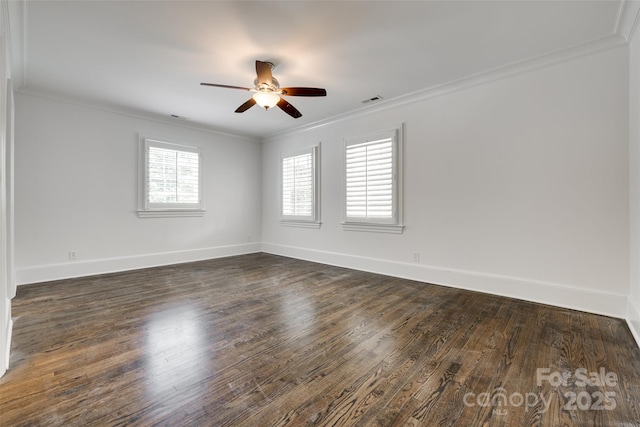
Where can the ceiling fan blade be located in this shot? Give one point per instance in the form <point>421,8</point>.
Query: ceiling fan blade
<point>263,70</point>
<point>289,109</point>
<point>303,91</point>
<point>226,86</point>
<point>244,107</point>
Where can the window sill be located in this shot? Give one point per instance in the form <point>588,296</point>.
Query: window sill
<point>170,213</point>
<point>373,228</point>
<point>300,224</point>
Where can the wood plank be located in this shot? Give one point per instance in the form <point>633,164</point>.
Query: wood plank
<point>262,340</point>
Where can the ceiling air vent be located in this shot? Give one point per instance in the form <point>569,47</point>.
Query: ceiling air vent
<point>372,99</point>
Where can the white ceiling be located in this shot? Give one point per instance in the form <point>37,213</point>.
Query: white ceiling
<point>150,56</point>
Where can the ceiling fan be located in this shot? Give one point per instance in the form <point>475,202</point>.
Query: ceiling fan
<point>268,93</point>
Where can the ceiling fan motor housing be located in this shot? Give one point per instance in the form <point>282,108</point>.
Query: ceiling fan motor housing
<point>266,87</point>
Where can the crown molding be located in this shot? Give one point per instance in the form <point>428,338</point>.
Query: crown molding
<point>138,114</point>
<point>628,18</point>
<point>22,46</point>
<point>499,73</point>
<point>14,18</point>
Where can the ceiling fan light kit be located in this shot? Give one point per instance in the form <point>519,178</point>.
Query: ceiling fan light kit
<point>267,91</point>
<point>266,99</point>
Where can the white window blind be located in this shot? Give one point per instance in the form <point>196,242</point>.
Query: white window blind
<point>297,186</point>
<point>173,177</point>
<point>369,180</point>
<point>300,188</point>
<point>373,182</point>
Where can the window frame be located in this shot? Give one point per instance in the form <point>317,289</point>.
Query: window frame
<point>306,221</point>
<point>379,225</point>
<point>149,210</point>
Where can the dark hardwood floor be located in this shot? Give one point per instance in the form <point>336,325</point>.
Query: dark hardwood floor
<point>261,340</point>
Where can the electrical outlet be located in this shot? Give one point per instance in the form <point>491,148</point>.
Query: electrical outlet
<point>416,257</point>
<point>73,255</point>
<point>249,238</point>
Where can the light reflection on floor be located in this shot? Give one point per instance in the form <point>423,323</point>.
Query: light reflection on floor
<point>299,313</point>
<point>175,351</point>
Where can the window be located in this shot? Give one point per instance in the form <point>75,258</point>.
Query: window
<point>372,189</point>
<point>171,179</point>
<point>299,174</point>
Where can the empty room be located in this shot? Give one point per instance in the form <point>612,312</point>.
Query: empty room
<point>320,213</point>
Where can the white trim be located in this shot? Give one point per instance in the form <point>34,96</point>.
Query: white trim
<point>314,220</point>
<point>44,273</point>
<point>4,367</point>
<point>23,45</point>
<point>5,259</point>
<point>628,18</point>
<point>395,224</point>
<point>372,227</point>
<point>619,15</point>
<point>555,294</point>
<point>16,33</point>
<point>169,213</point>
<point>136,114</point>
<point>10,191</point>
<point>633,320</point>
<point>499,73</point>
<point>300,224</point>
<point>145,209</point>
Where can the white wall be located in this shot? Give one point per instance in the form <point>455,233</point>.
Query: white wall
<point>7,278</point>
<point>633,310</point>
<point>76,189</point>
<point>516,187</point>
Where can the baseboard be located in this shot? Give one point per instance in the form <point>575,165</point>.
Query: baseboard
<point>633,320</point>
<point>540,292</point>
<point>529,290</point>
<point>45,273</point>
<point>6,345</point>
